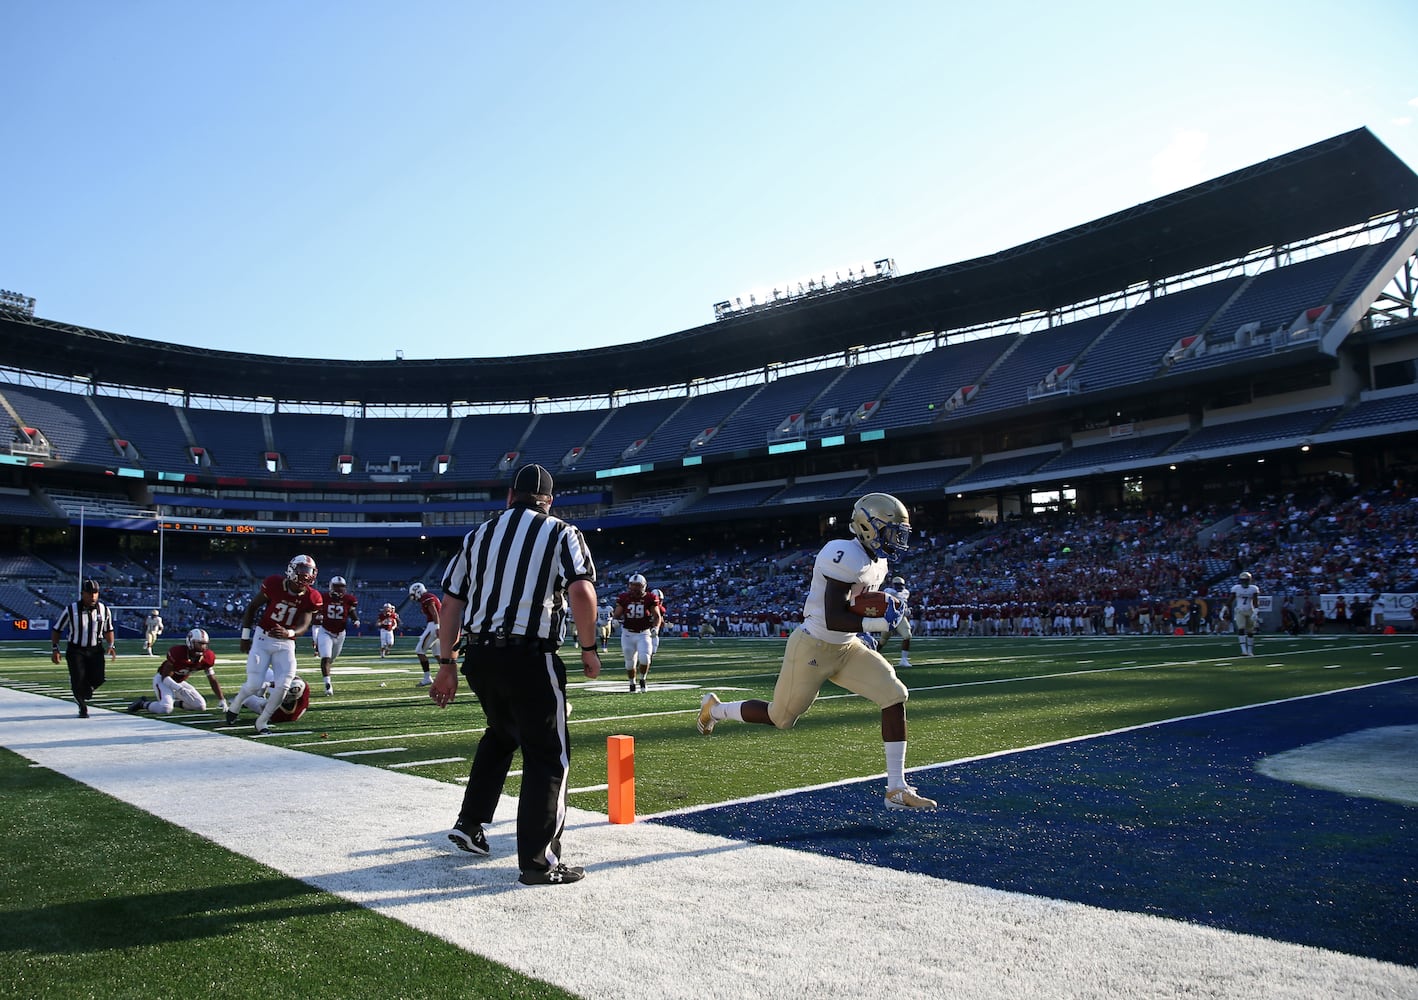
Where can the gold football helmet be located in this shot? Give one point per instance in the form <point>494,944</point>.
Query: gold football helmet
<point>882,524</point>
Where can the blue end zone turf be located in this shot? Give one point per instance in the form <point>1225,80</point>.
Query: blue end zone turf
<point>1172,820</point>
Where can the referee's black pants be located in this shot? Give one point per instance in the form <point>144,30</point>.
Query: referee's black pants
<point>86,673</point>
<point>522,691</point>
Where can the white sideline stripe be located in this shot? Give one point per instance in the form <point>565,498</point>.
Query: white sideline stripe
<point>426,763</point>
<point>588,788</point>
<point>364,753</point>
<point>720,913</point>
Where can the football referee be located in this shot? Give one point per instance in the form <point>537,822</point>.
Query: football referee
<point>506,594</point>
<point>90,627</point>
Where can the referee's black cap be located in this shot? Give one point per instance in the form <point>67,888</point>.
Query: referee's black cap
<point>89,586</point>
<point>532,479</point>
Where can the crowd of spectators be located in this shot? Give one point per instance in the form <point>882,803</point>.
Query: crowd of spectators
<point>1060,573</point>
<point>1108,572</point>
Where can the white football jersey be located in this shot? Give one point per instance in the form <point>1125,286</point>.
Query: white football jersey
<point>1245,597</point>
<point>903,594</point>
<point>843,560</point>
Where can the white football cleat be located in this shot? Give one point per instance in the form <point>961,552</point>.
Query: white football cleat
<point>426,682</point>
<point>906,798</point>
<point>706,713</point>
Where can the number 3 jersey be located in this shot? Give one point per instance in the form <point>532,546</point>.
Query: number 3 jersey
<point>845,561</point>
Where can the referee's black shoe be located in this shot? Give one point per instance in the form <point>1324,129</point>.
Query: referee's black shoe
<point>469,837</point>
<point>560,875</point>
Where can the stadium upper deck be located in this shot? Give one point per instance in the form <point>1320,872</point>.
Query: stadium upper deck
<point>1329,186</point>
<point>1238,301</point>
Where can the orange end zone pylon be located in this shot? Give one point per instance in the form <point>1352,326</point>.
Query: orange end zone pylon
<point>620,775</point>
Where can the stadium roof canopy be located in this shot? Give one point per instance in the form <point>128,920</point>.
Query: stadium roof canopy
<point>1339,182</point>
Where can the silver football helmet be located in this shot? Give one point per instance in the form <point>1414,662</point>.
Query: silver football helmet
<point>301,571</point>
<point>198,640</point>
<point>417,590</point>
<point>638,580</point>
<point>337,585</point>
<point>293,693</point>
<point>882,524</point>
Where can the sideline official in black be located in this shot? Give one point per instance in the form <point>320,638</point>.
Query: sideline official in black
<point>89,625</point>
<point>506,594</point>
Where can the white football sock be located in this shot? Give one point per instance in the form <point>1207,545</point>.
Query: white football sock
<point>895,764</point>
<point>727,710</point>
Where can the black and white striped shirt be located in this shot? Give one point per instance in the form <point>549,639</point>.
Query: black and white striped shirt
<point>513,571</point>
<point>86,626</point>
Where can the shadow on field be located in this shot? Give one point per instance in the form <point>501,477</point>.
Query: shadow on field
<point>117,922</point>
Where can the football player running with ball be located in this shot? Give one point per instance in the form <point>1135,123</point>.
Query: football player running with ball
<point>825,647</point>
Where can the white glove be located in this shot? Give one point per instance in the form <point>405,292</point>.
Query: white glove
<point>224,706</point>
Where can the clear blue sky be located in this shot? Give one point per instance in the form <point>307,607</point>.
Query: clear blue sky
<point>346,178</point>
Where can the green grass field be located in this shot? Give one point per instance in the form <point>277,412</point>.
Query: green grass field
<point>86,912</point>
<point>969,697</point>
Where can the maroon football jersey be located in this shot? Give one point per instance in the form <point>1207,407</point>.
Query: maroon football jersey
<point>282,607</point>
<point>336,612</point>
<point>638,610</point>
<point>180,664</point>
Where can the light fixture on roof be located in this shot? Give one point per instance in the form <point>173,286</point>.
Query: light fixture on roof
<point>16,302</point>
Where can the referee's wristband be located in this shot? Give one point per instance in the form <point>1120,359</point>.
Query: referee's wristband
<point>446,661</point>
<point>589,649</point>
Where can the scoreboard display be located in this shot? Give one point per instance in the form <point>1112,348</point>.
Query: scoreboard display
<point>243,528</point>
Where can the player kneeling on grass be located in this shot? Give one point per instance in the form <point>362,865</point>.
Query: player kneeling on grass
<point>170,685</point>
<point>825,647</point>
